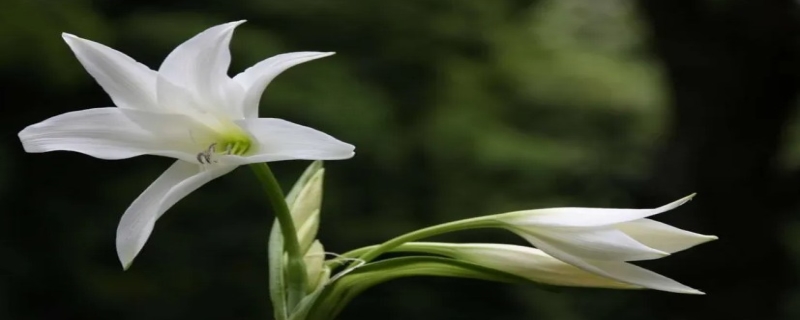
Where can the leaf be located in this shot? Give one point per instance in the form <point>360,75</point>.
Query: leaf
<point>277,285</point>
<point>336,295</point>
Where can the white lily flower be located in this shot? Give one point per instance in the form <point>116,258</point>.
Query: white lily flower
<point>191,110</point>
<point>597,240</point>
<point>538,266</point>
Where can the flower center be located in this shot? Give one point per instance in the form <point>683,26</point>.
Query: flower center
<point>232,142</point>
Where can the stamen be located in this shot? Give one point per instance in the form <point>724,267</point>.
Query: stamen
<point>206,155</point>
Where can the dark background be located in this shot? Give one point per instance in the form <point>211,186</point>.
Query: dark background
<point>457,109</point>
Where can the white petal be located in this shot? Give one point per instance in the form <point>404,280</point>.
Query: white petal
<point>129,84</point>
<point>316,271</point>
<point>174,184</point>
<point>309,199</point>
<point>532,264</point>
<point>182,132</point>
<point>598,244</point>
<point>662,236</point>
<point>105,133</point>
<point>256,78</point>
<point>620,271</point>
<point>307,230</point>
<point>584,217</point>
<point>175,98</point>
<point>282,140</point>
<point>640,276</point>
<point>201,65</point>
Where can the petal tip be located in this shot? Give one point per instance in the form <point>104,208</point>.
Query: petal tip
<point>68,37</point>
<point>236,23</point>
<point>686,198</point>
<point>693,291</point>
<point>126,263</point>
<point>676,203</point>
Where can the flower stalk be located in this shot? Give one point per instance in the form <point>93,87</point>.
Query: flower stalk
<point>295,267</point>
<point>374,252</point>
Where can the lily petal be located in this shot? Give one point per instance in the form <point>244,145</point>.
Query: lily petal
<point>662,236</point>
<point>256,78</point>
<point>201,65</point>
<point>530,263</point>
<point>584,217</point>
<point>282,140</point>
<point>105,133</point>
<point>130,84</point>
<point>620,271</point>
<point>597,244</point>
<point>173,185</point>
<point>640,276</point>
<point>180,130</point>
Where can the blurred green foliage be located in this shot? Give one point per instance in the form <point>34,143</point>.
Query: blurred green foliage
<point>457,109</point>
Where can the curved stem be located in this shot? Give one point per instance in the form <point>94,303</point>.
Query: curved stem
<point>373,252</point>
<point>295,267</point>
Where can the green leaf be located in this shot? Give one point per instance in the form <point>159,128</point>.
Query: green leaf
<point>338,294</point>
<point>307,304</point>
<point>277,284</point>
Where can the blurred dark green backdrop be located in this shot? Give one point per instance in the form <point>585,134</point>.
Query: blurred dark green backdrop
<point>457,108</point>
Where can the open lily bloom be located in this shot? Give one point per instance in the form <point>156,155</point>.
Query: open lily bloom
<point>190,110</point>
<point>597,240</point>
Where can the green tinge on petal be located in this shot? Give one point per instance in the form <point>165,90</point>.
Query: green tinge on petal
<point>315,266</point>
<point>532,264</point>
<point>234,141</point>
<point>309,199</point>
<point>529,263</point>
<point>307,232</point>
<point>291,197</point>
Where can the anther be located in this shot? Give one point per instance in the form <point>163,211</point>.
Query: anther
<point>206,155</point>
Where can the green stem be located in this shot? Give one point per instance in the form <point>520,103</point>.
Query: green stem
<point>295,267</point>
<point>375,251</point>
